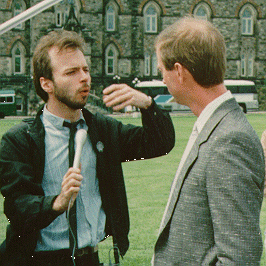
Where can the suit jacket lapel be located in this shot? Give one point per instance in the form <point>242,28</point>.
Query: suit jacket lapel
<point>206,132</point>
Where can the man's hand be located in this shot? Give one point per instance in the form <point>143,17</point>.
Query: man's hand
<point>70,187</point>
<point>119,96</point>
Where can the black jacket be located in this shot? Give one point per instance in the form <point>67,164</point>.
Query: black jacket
<point>22,155</point>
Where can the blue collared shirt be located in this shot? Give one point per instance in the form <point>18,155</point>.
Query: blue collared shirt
<point>90,214</point>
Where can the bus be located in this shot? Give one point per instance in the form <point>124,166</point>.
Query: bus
<point>244,92</point>
<point>7,103</point>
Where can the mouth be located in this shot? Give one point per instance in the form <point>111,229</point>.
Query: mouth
<point>84,91</point>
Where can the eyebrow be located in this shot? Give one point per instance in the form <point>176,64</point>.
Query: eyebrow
<point>76,68</point>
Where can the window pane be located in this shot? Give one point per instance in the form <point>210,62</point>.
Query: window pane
<point>147,65</point>
<point>110,18</point>
<point>110,66</point>
<point>247,22</point>
<point>151,19</point>
<point>17,65</point>
<point>2,99</point>
<point>154,65</point>
<point>243,66</point>
<point>9,99</point>
<point>247,13</point>
<point>17,52</point>
<point>250,66</point>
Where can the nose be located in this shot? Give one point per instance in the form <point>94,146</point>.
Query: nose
<point>85,76</point>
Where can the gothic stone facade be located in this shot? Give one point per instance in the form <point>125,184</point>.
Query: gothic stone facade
<point>120,38</point>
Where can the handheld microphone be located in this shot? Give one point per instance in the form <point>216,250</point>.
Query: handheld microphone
<point>80,139</point>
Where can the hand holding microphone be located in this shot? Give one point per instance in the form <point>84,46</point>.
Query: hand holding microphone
<point>72,179</point>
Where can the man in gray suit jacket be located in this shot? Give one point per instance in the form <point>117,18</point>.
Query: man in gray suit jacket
<point>212,215</point>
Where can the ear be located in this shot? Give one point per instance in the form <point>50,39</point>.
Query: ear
<point>179,71</point>
<point>47,84</point>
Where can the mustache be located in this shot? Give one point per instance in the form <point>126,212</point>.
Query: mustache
<point>85,87</point>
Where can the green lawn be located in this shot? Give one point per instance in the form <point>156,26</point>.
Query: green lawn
<point>148,183</point>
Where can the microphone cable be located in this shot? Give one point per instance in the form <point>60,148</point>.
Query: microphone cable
<point>71,232</point>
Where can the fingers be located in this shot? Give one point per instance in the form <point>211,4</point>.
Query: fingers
<point>69,189</point>
<point>119,96</point>
<point>72,181</point>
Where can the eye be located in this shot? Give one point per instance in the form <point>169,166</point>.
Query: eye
<point>69,73</point>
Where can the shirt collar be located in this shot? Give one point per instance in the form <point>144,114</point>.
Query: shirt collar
<point>56,120</point>
<point>209,110</point>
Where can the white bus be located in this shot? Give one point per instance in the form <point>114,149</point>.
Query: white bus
<point>245,93</point>
<point>243,90</point>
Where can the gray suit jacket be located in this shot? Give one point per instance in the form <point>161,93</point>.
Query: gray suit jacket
<point>213,218</point>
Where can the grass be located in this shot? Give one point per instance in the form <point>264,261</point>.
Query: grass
<point>148,184</point>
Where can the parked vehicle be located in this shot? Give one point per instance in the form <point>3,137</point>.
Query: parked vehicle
<point>243,90</point>
<point>245,93</point>
<point>7,103</point>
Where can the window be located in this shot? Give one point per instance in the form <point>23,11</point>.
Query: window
<point>7,99</point>
<point>150,65</point>
<point>250,66</point>
<point>19,104</point>
<point>202,11</point>
<point>111,17</point>
<point>111,57</point>
<point>243,66</point>
<point>147,64</point>
<point>247,65</point>
<point>18,59</point>
<point>151,14</point>
<point>154,65</point>
<point>17,9</point>
<point>247,20</point>
<point>60,19</point>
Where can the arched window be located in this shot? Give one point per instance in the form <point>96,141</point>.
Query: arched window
<point>111,60</point>
<point>111,17</point>
<point>18,59</point>
<point>151,15</point>
<point>202,11</point>
<point>247,16</point>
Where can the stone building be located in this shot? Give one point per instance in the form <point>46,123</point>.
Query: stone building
<point>120,38</point>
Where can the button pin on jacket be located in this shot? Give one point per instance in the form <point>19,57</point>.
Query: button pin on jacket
<point>100,146</point>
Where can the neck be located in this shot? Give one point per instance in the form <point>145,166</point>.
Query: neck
<point>203,96</point>
<point>63,111</point>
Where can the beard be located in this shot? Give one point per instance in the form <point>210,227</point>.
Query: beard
<point>70,100</point>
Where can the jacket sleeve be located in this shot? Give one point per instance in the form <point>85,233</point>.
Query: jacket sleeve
<point>234,189</point>
<point>25,205</point>
<point>156,136</point>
